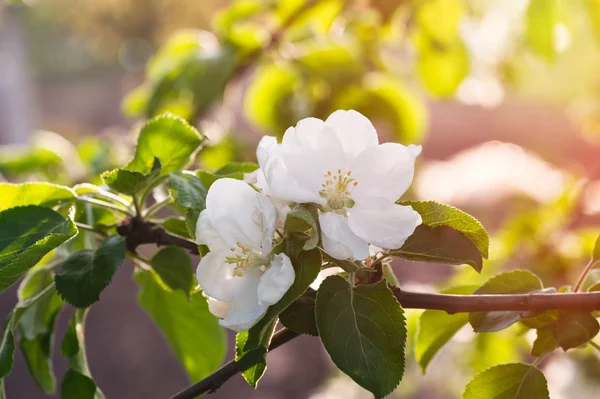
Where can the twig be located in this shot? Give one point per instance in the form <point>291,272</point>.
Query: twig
<point>221,376</point>
<point>588,268</point>
<point>138,232</point>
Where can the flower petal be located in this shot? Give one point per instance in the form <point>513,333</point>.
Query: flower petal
<point>354,130</point>
<point>218,308</point>
<point>266,145</point>
<point>309,151</point>
<point>338,240</point>
<point>385,225</point>
<point>216,278</point>
<point>235,213</point>
<point>279,183</point>
<point>207,234</point>
<point>385,171</point>
<point>268,223</point>
<point>275,282</point>
<point>245,310</point>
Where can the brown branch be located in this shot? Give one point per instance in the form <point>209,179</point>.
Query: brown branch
<point>536,302</point>
<point>138,232</point>
<point>221,376</point>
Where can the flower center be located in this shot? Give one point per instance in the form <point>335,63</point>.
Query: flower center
<point>246,259</point>
<point>337,190</point>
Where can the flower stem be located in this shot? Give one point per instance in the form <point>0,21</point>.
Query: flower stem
<point>588,268</point>
<point>105,204</point>
<point>156,207</point>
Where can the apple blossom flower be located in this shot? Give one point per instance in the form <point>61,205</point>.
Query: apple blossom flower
<point>340,165</point>
<point>240,276</point>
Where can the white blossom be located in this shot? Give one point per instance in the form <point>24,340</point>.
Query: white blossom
<point>340,165</point>
<point>240,276</point>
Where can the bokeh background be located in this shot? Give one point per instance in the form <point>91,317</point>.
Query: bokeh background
<point>504,95</point>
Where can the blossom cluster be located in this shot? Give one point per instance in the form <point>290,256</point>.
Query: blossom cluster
<point>339,166</point>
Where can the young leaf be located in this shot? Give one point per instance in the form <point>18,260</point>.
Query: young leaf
<point>187,325</point>
<point>574,329</point>
<point>28,233</point>
<point>300,315</point>
<point>302,224</point>
<point>233,170</point>
<point>252,358</point>
<point>7,347</point>
<point>544,343</point>
<point>170,139</point>
<point>176,226</point>
<point>76,385</point>
<point>363,330</point>
<point>43,194</point>
<point>85,274</point>
<point>435,214</point>
<point>175,269</point>
<point>440,244</point>
<point>188,193</point>
<point>437,327</point>
<point>130,182</point>
<point>513,282</point>
<point>596,251</point>
<point>36,327</point>
<point>508,381</point>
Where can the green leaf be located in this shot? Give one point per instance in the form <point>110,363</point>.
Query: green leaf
<point>571,330</point>
<point>233,170</point>
<point>440,244</point>
<point>174,267</point>
<point>43,194</point>
<point>170,139</point>
<point>437,327</point>
<point>513,282</point>
<point>187,325</point>
<point>7,348</point>
<point>85,274</point>
<point>189,193</point>
<point>442,68</point>
<point>540,21</point>
<point>596,251</point>
<point>258,338</point>
<point>363,330</point>
<point>176,226</point>
<point>36,327</point>
<point>131,182</point>
<point>300,315</point>
<point>435,214</point>
<point>508,381</point>
<point>544,343</point>
<point>76,385</point>
<point>28,233</point>
<point>252,359</point>
<point>302,224</point>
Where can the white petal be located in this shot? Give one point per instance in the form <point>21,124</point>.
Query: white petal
<point>323,274</point>
<point>265,146</point>
<point>385,225</point>
<point>275,282</point>
<point>235,213</point>
<point>269,217</point>
<point>207,234</point>
<point>280,183</point>
<point>385,171</point>
<point>354,130</point>
<point>216,278</point>
<point>245,310</point>
<point>338,240</point>
<point>218,308</point>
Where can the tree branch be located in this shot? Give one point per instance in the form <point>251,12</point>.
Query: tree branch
<point>221,376</point>
<point>138,232</point>
<point>537,302</point>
